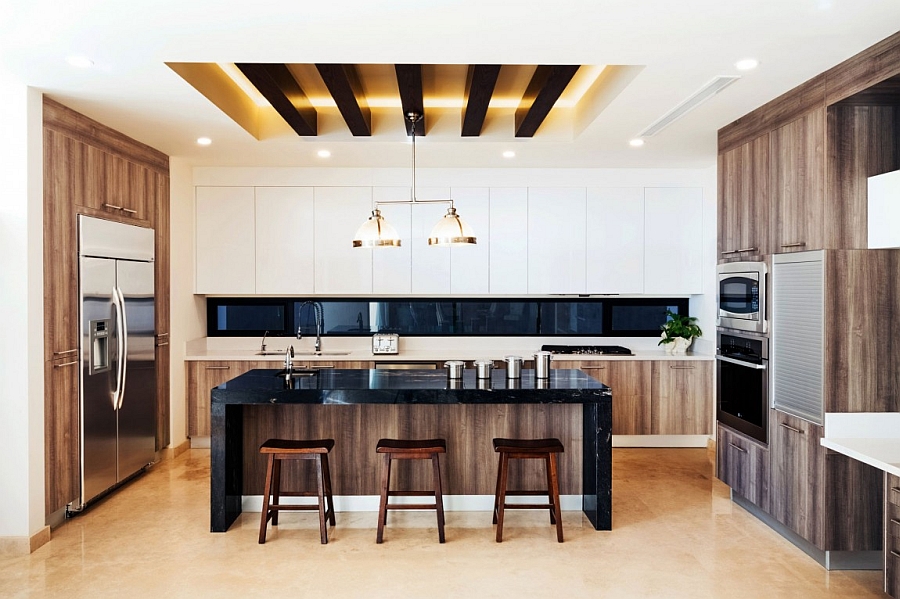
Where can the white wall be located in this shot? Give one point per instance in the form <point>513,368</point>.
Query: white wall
<point>21,303</point>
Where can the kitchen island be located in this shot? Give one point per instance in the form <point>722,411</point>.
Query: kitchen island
<point>238,405</point>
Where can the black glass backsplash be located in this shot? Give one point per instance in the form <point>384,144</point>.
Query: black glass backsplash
<point>609,317</point>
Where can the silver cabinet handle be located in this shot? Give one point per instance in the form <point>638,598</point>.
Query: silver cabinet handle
<point>748,250</point>
<point>218,367</point>
<point>682,367</point>
<point>741,449</point>
<point>895,521</point>
<point>795,244</point>
<point>129,210</point>
<point>895,553</point>
<point>741,363</point>
<point>724,252</point>
<point>162,334</point>
<point>895,489</point>
<point>791,428</point>
<point>62,353</point>
<point>161,344</point>
<point>65,364</point>
<point>112,206</point>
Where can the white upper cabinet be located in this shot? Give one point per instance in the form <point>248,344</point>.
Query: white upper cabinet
<point>508,264</point>
<point>469,263</point>
<point>556,240</point>
<point>226,245</point>
<point>672,240</point>
<point>341,268</point>
<point>285,240</point>
<point>430,264</point>
<point>615,240</point>
<point>392,266</point>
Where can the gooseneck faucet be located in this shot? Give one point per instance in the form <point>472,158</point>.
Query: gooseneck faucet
<point>289,361</point>
<point>320,318</point>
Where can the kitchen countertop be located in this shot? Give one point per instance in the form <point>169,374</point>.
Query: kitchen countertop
<point>871,438</point>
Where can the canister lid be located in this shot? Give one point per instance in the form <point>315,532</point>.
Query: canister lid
<point>483,362</point>
<point>454,363</point>
<point>513,358</point>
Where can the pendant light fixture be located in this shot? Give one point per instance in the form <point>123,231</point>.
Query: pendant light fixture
<point>450,230</point>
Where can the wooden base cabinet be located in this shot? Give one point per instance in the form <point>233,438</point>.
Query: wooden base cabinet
<point>62,475</point>
<point>892,536</point>
<point>742,463</point>
<point>630,382</point>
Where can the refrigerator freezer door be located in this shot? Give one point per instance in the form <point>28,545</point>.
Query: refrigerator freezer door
<point>98,414</point>
<point>137,414</point>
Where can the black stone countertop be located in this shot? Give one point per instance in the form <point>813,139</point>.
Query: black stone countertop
<point>358,386</point>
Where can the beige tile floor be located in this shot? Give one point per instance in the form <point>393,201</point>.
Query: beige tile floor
<point>676,534</point>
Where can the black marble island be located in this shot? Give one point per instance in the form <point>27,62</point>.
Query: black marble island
<point>262,389</point>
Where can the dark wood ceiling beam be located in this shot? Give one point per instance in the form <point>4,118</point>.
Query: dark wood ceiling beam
<point>480,83</point>
<point>409,81</point>
<point>277,85</point>
<point>342,81</point>
<point>546,86</point>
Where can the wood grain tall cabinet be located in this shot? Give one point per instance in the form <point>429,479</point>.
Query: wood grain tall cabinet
<point>94,170</point>
<point>798,167</point>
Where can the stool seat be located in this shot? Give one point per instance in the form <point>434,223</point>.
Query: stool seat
<point>291,446</point>
<point>279,450</point>
<point>529,445</point>
<point>528,449</point>
<point>410,449</point>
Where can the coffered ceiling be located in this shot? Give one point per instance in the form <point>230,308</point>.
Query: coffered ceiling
<point>159,73</point>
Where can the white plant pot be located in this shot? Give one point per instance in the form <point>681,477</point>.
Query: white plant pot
<point>678,347</point>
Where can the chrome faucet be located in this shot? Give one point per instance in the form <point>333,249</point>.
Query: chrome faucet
<point>262,345</point>
<point>289,360</point>
<point>320,321</point>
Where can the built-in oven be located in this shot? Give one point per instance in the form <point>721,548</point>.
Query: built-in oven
<point>742,388</point>
<point>741,297</point>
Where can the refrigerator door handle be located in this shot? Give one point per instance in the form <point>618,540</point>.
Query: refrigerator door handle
<point>123,348</point>
<point>119,342</point>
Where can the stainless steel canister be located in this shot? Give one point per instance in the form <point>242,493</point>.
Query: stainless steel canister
<point>483,369</point>
<point>542,365</point>
<point>454,368</point>
<point>513,367</point>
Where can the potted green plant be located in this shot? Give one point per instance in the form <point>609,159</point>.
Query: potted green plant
<point>678,332</point>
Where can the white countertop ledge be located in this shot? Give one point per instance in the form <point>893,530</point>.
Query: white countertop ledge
<point>871,438</point>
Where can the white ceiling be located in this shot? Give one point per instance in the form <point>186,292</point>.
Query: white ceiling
<point>682,45</point>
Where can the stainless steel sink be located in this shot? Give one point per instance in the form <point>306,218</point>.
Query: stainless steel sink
<point>298,372</point>
<point>269,353</point>
<point>321,353</point>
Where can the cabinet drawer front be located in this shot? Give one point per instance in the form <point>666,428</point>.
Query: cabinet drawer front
<point>893,489</point>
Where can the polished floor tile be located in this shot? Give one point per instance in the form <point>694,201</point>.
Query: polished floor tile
<point>676,534</point>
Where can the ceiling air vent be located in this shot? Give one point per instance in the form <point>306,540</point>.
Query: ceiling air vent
<point>696,99</point>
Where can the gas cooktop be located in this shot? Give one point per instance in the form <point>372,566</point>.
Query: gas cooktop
<point>614,350</point>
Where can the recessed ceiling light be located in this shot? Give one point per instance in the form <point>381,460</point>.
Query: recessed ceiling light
<point>636,143</point>
<point>81,62</point>
<point>204,141</point>
<point>323,153</point>
<point>747,64</point>
<point>509,154</point>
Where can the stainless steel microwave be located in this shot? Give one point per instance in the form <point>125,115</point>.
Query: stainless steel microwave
<point>741,296</point>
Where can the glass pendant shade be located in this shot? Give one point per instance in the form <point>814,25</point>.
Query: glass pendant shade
<point>451,230</point>
<point>376,232</point>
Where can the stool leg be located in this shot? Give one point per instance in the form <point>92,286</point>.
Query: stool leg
<point>327,473</point>
<point>501,495</point>
<point>497,487</point>
<point>554,488</point>
<point>276,491</point>
<point>438,496</point>
<point>549,488</point>
<point>320,487</point>
<point>382,506</point>
<point>264,518</point>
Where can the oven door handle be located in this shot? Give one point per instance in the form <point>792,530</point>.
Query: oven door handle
<point>741,363</point>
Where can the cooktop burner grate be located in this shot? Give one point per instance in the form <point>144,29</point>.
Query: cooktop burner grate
<point>615,350</point>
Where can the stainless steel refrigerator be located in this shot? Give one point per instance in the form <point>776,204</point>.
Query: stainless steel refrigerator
<point>118,359</point>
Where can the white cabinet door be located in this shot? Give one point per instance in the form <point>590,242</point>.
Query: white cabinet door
<point>430,264</point>
<point>556,240</point>
<point>469,264</point>
<point>285,240</point>
<point>615,240</point>
<point>340,267</point>
<point>673,248</point>
<point>509,240</point>
<point>392,266</point>
<point>226,245</point>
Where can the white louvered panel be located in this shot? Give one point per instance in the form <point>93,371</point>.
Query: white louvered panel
<point>798,304</point>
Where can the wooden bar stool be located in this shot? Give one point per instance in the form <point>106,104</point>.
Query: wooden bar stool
<point>396,449</point>
<point>528,449</point>
<point>283,449</point>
